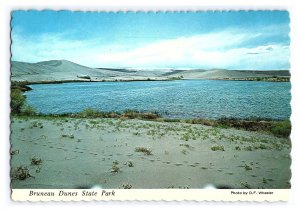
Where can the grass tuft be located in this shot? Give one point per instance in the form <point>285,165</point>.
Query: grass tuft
<point>115,168</point>
<point>217,148</point>
<point>245,185</point>
<point>36,161</point>
<point>71,136</point>
<point>130,164</point>
<point>237,148</point>
<point>144,150</point>
<point>127,186</point>
<point>21,173</point>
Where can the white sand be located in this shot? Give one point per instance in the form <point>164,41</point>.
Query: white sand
<point>79,153</point>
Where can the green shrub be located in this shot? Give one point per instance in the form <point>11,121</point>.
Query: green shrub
<point>131,114</point>
<point>134,114</point>
<point>149,115</point>
<point>281,129</point>
<point>185,137</point>
<point>90,112</point>
<point>237,148</point>
<point>28,110</point>
<point>248,148</point>
<point>17,101</point>
<point>262,146</point>
<point>170,120</point>
<point>217,147</point>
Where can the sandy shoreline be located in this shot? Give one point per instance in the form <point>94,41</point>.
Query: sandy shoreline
<point>82,153</point>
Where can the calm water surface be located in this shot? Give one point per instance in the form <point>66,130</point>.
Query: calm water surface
<point>177,99</point>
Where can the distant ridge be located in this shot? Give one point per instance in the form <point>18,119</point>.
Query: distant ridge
<point>54,70</point>
<point>221,74</point>
<point>63,70</point>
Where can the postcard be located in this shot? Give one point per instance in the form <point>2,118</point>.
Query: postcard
<point>150,105</point>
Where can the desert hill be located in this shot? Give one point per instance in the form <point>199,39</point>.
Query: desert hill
<point>63,70</point>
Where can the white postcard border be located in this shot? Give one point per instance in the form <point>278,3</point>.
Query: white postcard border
<point>270,195</point>
<point>293,203</point>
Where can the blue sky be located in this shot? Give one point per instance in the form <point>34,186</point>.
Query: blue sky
<point>257,40</point>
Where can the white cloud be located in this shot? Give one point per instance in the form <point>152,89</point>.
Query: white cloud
<point>212,50</point>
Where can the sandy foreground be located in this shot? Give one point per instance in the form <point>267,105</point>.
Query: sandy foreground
<point>84,153</point>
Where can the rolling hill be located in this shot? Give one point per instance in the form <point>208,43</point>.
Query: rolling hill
<point>63,70</point>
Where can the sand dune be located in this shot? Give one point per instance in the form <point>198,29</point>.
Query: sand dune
<point>221,74</point>
<point>54,70</point>
<point>60,70</point>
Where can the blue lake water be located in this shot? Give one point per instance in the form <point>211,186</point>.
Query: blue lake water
<point>177,99</point>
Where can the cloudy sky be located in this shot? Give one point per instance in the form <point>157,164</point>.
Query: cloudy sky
<point>228,40</point>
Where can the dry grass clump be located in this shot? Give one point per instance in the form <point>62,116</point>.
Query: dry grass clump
<point>248,148</point>
<point>127,186</point>
<point>36,161</point>
<point>247,167</point>
<point>237,148</point>
<point>115,168</point>
<point>21,173</point>
<point>130,164</point>
<point>245,185</point>
<point>184,152</point>
<point>133,114</point>
<point>36,124</point>
<point>217,148</point>
<point>144,150</point>
<point>71,136</point>
<point>14,152</point>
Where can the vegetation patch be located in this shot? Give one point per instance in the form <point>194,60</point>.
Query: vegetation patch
<point>184,151</point>
<point>90,112</point>
<point>36,124</point>
<point>71,136</point>
<point>17,101</point>
<point>217,148</point>
<point>130,164</point>
<point>248,148</point>
<point>247,167</point>
<point>14,152</point>
<point>186,145</point>
<point>28,110</point>
<point>262,146</point>
<point>21,173</point>
<point>127,186</point>
<point>134,114</point>
<point>237,148</point>
<point>281,129</point>
<point>245,185</point>
<point>115,168</point>
<point>84,77</point>
<point>36,161</point>
<point>144,150</point>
